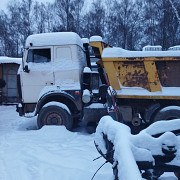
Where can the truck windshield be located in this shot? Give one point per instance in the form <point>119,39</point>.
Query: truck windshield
<point>39,55</point>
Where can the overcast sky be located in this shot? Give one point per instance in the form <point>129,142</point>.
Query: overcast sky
<point>3,3</point>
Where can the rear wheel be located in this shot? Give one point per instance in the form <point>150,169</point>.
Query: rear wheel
<point>58,114</point>
<point>168,113</point>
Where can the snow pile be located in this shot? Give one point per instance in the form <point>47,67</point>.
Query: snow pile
<point>154,145</point>
<point>52,39</point>
<point>119,52</point>
<point>129,148</point>
<point>117,132</point>
<point>49,153</point>
<point>4,60</point>
<point>163,126</point>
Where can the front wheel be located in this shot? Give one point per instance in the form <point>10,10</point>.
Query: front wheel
<point>55,114</point>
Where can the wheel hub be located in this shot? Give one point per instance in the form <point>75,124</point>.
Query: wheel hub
<point>54,119</point>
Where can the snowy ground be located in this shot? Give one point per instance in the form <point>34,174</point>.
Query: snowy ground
<point>49,153</point>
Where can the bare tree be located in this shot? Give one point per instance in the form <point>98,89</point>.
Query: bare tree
<point>175,10</point>
<point>65,9</point>
<point>78,15</point>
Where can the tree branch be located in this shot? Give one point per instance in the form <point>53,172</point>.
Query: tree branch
<point>175,10</point>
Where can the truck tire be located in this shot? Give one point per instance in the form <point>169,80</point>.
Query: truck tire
<point>54,115</point>
<point>168,113</point>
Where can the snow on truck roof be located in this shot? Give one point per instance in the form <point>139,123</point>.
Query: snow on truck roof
<point>56,38</point>
<point>96,39</point>
<point>119,52</point>
<point>8,60</point>
<point>85,40</point>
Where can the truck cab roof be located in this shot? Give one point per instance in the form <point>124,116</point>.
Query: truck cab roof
<point>53,39</point>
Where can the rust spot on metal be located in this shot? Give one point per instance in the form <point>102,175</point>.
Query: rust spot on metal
<point>176,58</point>
<point>159,58</point>
<point>133,74</point>
<point>131,58</point>
<point>169,73</point>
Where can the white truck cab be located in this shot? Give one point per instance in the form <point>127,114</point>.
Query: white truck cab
<point>50,60</point>
<point>50,79</point>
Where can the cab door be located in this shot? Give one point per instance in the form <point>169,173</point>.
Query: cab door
<point>39,62</point>
<point>68,69</point>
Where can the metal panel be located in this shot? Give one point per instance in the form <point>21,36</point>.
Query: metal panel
<point>169,73</point>
<point>132,74</point>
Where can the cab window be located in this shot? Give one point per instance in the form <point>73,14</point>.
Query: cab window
<point>39,55</point>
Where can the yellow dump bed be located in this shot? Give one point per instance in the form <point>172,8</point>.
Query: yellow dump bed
<point>142,74</point>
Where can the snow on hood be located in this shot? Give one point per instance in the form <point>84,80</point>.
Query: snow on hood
<point>52,39</point>
<point>5,59</point>
<point>119,52</point>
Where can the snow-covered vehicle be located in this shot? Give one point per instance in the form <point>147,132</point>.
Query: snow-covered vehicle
<point>153,151</point>
<point>56,82</point>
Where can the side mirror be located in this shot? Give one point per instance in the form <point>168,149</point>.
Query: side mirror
<point>26,69</point>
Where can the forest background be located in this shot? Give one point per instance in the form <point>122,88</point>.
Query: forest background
<point>130,24</point>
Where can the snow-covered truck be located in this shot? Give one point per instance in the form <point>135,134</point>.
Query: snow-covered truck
<point>146,84</point>
<point>53,77</point>
<point>56,82</point>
